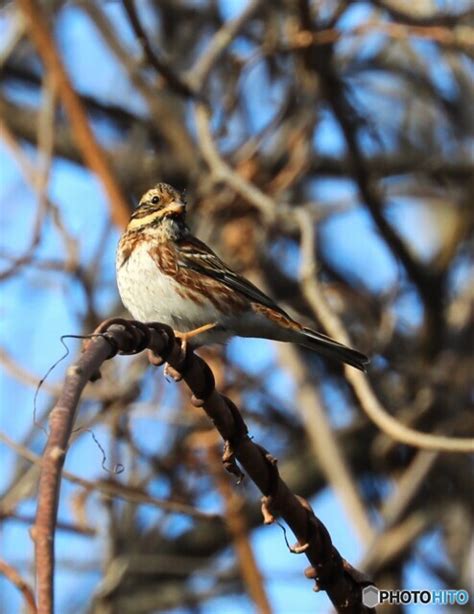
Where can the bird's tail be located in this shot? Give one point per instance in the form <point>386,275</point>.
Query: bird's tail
<point>332,349</point>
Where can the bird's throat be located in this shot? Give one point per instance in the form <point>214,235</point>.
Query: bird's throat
<point>161,229</point>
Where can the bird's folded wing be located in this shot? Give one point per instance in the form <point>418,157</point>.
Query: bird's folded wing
<point>197,256</point>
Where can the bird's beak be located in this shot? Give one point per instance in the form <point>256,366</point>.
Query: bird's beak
<point>174,208</point>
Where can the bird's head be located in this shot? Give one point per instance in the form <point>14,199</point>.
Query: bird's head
<point>160,203</point>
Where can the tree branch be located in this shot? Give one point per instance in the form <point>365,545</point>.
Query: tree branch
<point>331,573</point>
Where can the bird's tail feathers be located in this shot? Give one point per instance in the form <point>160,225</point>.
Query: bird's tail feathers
<point>332,349</point>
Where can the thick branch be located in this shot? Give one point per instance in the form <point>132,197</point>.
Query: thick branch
<point>331,573</point>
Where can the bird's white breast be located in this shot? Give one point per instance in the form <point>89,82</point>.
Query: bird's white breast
<point>151,296</point>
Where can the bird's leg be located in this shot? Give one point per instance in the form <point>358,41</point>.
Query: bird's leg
<point>192,333</point>
<point>184,338</point>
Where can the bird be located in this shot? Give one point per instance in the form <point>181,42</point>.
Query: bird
<point>167,275</point>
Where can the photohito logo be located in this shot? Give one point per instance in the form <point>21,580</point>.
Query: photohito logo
<point>372,596</point>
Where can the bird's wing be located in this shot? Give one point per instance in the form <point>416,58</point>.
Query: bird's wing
<point>195,255</point>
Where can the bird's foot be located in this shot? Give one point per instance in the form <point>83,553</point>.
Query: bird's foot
<point>184,338</point>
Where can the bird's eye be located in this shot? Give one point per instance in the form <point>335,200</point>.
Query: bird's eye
<point>155,200</point>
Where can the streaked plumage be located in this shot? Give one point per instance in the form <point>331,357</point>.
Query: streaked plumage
<point>164,274</point>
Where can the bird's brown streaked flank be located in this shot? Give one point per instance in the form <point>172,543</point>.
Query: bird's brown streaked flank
<point>165,274</point>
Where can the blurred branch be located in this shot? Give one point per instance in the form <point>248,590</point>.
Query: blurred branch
<point>174,81</point>
<point>325,447</point>
<point>460,37</point>
<point>412,15</point>
<point>110,487</point>
<point>22,121</point>
<point>430,284</point>
<point>359,382</point>
<point>13,35</point>
<point>396,506</point>
<point>66,527</point>
<point>301,106</point>
<point>90,148</point>
<point>11,574</point>
<point>163,110</point>
<point>396,540</point>
<point>407,486</point>
<point>38,178</point>
<point>116,113</point>
<point>221,171</point>
<point>218,44</point>
<point>237,525</point>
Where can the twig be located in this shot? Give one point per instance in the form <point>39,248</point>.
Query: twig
<point>222,171</point>
<point>162,111</point>
<point>359,382</point>
<point>112,488</point>
<point>396,505</point>
<point>173,80</point>
<point>219,43</point>
<point>67,527</point>
<point>411,15</point>
<point>11,574</point>
<point>442,35</point>
<point>38,178</point>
